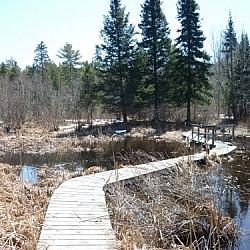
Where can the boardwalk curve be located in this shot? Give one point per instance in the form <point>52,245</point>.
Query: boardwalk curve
<point>77,216</point>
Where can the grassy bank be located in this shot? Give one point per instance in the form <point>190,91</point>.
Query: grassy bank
<point>172,209</point>
<point>23,206</point>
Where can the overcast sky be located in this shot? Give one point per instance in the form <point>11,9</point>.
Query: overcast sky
<point>25,23</point>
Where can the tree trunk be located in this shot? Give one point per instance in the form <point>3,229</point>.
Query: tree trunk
<point>188,113</point>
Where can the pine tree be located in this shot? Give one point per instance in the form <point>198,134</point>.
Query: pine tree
<point>14,69</point>
<point>229,51</point>
<point>40,60</point>
<point>70,59</point>
<point>242,76</point>
<point>40,79</point>
<point>157,44</point>
<point>140,93</point>
<point>10,68</point>
<point>54,75</point>
<point>115,57</point>
<point>192,62</point>
<point>88,95</point>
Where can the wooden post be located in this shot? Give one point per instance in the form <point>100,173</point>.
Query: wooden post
<point>192,132</point>
<point>233,134</point>
<point>198,140</point>
<point>223,131</point>
<point>205,134</point>
<point>213,134</point>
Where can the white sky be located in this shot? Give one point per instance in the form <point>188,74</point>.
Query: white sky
<point>25,23</point>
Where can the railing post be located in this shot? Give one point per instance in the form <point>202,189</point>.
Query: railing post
<point>192,132</point>
<point>205,134</point>
<point>223,131</point>
<point>232,134</point>
<point>213,134</point>
<point>198,140</point>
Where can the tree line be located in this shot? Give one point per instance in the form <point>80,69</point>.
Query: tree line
<point>231,73</point>
<point>139,75</point>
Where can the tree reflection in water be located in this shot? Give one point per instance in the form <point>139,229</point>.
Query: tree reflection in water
<point>231,183</point>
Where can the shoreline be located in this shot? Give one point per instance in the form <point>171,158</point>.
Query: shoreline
<point>33,138</point>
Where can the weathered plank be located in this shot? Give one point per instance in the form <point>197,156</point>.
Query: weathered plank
<point>77,216</point>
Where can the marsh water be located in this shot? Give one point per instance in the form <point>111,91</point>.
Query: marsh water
<point>231,180</point>
<point>234,199</point>
<point>100,156</point>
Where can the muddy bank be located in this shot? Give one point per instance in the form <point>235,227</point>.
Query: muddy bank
<point>34,138</point>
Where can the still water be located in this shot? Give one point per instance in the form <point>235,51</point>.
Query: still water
<point>77,161</point>
<point>234,199</point>
<point>231,180</point>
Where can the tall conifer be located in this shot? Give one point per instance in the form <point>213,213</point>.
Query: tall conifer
<point>70,59</point>
<point>229,52</point>
<point>40,59</point>
<point>115,57</point>
<point>192,60</point>
<point>157,44</point>
<point>242,76</point>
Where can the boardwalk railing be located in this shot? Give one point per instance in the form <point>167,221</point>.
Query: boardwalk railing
<point>209,133</point>
<point>77,217</point>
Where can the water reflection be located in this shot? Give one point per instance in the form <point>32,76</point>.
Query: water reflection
<point>233,200</point>
<point>28,173</point>
<point>102,155</point>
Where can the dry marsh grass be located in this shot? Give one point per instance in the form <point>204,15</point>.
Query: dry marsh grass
<point>171,209</point>
<point>22,209</point>
<point>23,206</point>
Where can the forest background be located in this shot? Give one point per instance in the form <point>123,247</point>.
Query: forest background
<point>138,72</point>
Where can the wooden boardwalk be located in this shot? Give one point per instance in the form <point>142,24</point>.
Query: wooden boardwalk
<point>209,133</point>
<point>77,217</point>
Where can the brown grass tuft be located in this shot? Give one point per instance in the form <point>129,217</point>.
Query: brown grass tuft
<point>22,209</point>
<point>171,209</point>
<point>23,206</point>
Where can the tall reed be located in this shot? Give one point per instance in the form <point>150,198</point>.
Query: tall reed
<point>23,206</point>
<point>171,209</point>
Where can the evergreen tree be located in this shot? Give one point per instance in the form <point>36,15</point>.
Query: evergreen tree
<point>140,93</point>
<point>54,75</point>
<point>3,69</point>
<point>229,51</point>
<point>14,69</point>
<point>40,79</point>
<point>70,59</point>
<point>10,68</point>
<point>88,97</point>
<point>192,63</point>
<point>40,59</point>
<point>242,76</point>
<point>115,57</point>
<point>157,45</point>
<point>69,65</point>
